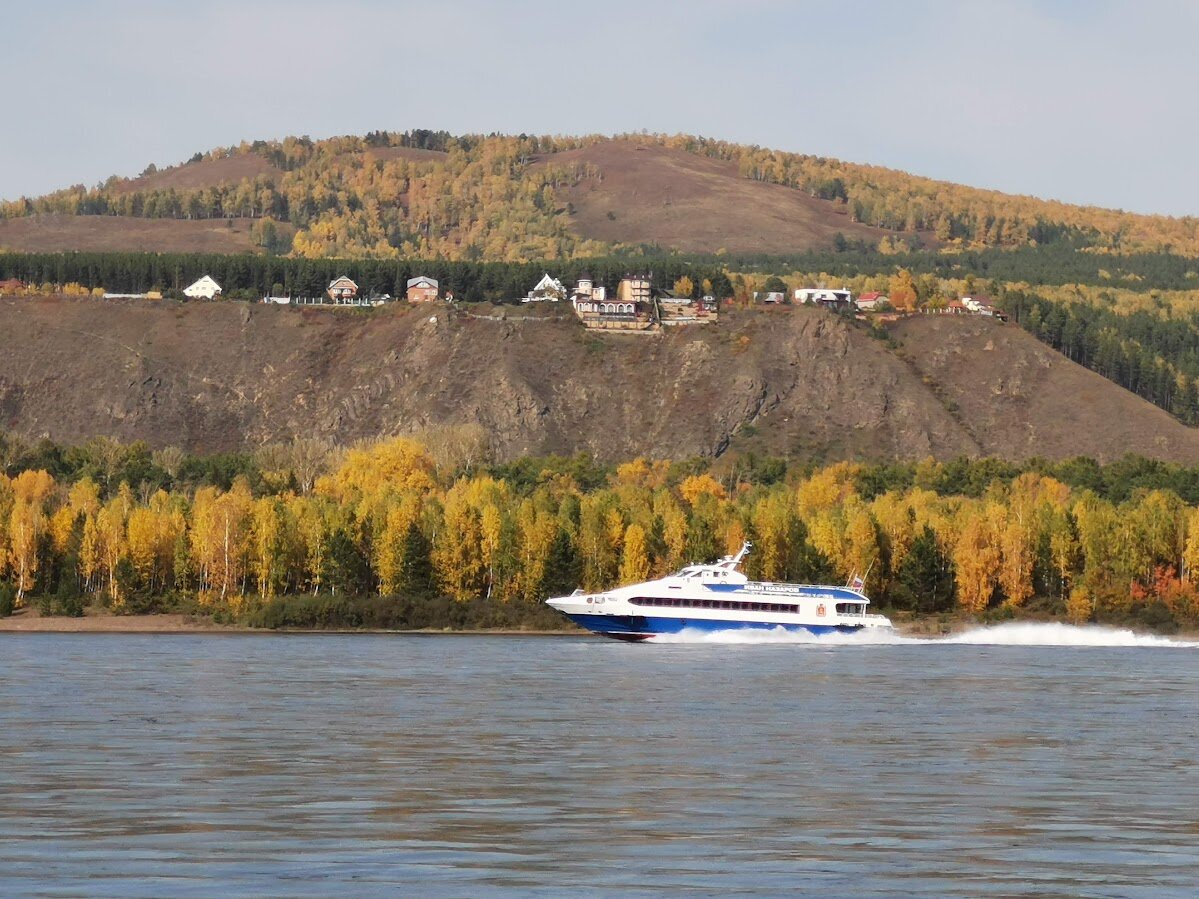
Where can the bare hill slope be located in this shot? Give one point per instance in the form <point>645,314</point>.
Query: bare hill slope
<point>651,194</point>
<point>220,376</point>
<point>110,233</point>
<point>1018,398</point>
<point>202,173</point>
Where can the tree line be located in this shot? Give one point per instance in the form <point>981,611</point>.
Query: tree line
<point>1056,264</point>
<point>408,530</point>
<point>253,276</point>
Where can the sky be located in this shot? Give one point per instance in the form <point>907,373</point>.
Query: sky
<point>1086,102</point>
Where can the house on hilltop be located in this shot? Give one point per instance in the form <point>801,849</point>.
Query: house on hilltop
<point>422,289</point>
<point>636,289</point>
<point>204,289</point>
<point>867,302</point>
<point>632,309</point>
<point>342,290</point>
<point>770,297</point>
<point>828,297</point>
<point>588,295</point>
<point>547,290</point>
<point>980,304</point>
<point>839,301</point>
<point>675,310</point>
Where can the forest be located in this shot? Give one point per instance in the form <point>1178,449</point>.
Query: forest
<point>426,531</point>
<point>474,197</point>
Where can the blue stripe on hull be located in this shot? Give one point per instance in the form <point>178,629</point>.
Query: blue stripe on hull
<point>641,626</point>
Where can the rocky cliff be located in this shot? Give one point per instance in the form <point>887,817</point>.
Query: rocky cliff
<point>794,381</point>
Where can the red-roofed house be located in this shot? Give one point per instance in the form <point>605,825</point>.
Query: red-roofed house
<point>867,301</point>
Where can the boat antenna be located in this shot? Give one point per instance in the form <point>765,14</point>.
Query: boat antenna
<point>736,560</point>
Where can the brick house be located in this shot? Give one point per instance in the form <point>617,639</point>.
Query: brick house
<point>422,289</point>
<point>342,290</point>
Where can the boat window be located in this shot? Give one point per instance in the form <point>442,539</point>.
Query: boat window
<point>735,605</point>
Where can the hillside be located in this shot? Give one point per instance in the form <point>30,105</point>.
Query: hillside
<point>794,381</point>
<point>57,233</point>
<point>649,194</point>
<point>503,198</point>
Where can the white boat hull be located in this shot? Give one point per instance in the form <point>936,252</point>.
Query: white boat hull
<point>635,628</point>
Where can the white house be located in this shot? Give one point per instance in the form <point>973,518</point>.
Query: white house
<point>979,304</point>
<point>823,295</point>
<point>547,289</point>
<point>776,297</point>
<point>204,289</point>
<point>588,296</point>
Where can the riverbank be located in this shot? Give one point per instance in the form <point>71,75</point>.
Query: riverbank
<point>29,621</point>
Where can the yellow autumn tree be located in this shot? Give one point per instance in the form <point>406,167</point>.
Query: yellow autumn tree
<point>976,557</point>
<point>536,529</point>
<point>774,521</point>
<point>26,525</point>
<point>111,546</point>
<point>695,486</point>
<point>902,290</point>
<point>634,560</point>
<point>457,552</point>
<point>220,540</point>
<point>826,489</point>
<point>268,544</point>
<point>396,464</point>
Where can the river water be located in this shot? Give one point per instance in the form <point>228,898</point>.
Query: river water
<point>1034,760</point>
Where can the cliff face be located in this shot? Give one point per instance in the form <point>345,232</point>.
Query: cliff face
<point>221,376</point>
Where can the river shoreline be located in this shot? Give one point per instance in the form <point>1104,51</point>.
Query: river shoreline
<point>29,621</point>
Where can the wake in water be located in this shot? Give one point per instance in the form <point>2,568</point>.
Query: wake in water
<point>1013,634</point>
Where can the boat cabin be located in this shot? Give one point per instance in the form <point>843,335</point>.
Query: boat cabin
<point>711,574</point>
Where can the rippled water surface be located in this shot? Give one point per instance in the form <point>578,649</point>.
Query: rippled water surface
<point>313,765</point>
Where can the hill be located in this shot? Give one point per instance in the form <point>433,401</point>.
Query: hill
<point>796,382</point>
<point>503,198</point>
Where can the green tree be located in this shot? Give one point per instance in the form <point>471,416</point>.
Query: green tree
<point>563,568</point>
<point>924,582</point>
